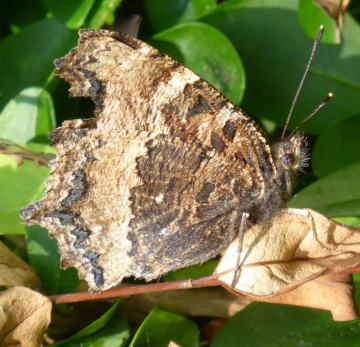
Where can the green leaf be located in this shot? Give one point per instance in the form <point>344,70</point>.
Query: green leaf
<point>71,13</point>
<point>27,57</point>
<point>29,115</point>
<point>208,52</point>
<point>335,195</point>
<point>44,258</point>
<point>101,11</point>
<point>195,271</point>
<point>352,221</point>
<point>337,146</point>
<point>268,325</point>
<point>19,185</point>
<point>109,330</point>
<point>161,327</point>
<point>311,17</point>
<point>115,334</point>
<point>164,14</point>
<point>99,323</point>
<point>275,52</point>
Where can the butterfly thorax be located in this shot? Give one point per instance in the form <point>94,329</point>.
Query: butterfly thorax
<point>290,157</point>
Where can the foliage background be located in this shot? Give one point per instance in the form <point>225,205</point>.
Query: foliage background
<point>255,52</point>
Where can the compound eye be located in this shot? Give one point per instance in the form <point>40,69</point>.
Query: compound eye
<point>288,159</point>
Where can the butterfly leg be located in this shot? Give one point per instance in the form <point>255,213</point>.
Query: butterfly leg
<point>242,229</point>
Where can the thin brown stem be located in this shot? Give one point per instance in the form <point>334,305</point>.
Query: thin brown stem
<point>209,281</point>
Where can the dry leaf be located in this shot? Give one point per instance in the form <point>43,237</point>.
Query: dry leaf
<point>24,317</point>
<point>335,9</point>
<point>303,259</point>
<point>14,271</point>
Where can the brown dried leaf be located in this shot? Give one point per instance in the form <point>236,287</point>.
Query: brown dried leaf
<point>302,259</point>
<point>332,292</point>
<point>24,317</point>
<point>335,9</point>
<point>14,271</point>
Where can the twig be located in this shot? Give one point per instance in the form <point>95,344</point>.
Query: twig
<point>210,281</point>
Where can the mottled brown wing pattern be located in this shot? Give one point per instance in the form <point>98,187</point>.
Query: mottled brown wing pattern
<point>185,211</point>
<point>87,206</point>
<point>126,77</point>
<point>160,178</point>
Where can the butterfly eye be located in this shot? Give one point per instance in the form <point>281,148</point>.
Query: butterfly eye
<point>288,159</point>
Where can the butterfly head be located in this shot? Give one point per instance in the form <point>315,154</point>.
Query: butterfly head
<point>291,158</point>
<point>292,153</point>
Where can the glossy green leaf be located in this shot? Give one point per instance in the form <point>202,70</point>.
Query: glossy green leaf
<point>195,271</point>
<point>101,11</point>
<point>109,330</point>
<point>352,221</point>
<point>116,333</point>
<point>208,52</point>
<point>275,52</point>
<point>164,14</point>
<point>161,327</point>
<point>19,185</point>
<point>45,259</point>
<point>99,323</point>
<point>71,13</point>
<point>335,195</point>
<point>29,115</point>
<point>270,325</point>
<point>311,17</point>
<point>337,146</point>
<point>30,54</point>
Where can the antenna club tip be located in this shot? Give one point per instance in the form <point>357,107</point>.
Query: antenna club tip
<point>330,95</point>
<point>321,27</point>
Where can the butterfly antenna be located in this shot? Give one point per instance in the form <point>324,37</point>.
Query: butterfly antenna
<point>323,103</point>
<point>316,43</point>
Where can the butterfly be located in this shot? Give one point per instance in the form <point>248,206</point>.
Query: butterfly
<point>166,175</point>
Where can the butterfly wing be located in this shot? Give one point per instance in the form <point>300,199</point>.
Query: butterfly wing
<point>135,87</point>
<point>160,178</point>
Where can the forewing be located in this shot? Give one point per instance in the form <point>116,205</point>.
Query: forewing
<point>135,87</point>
